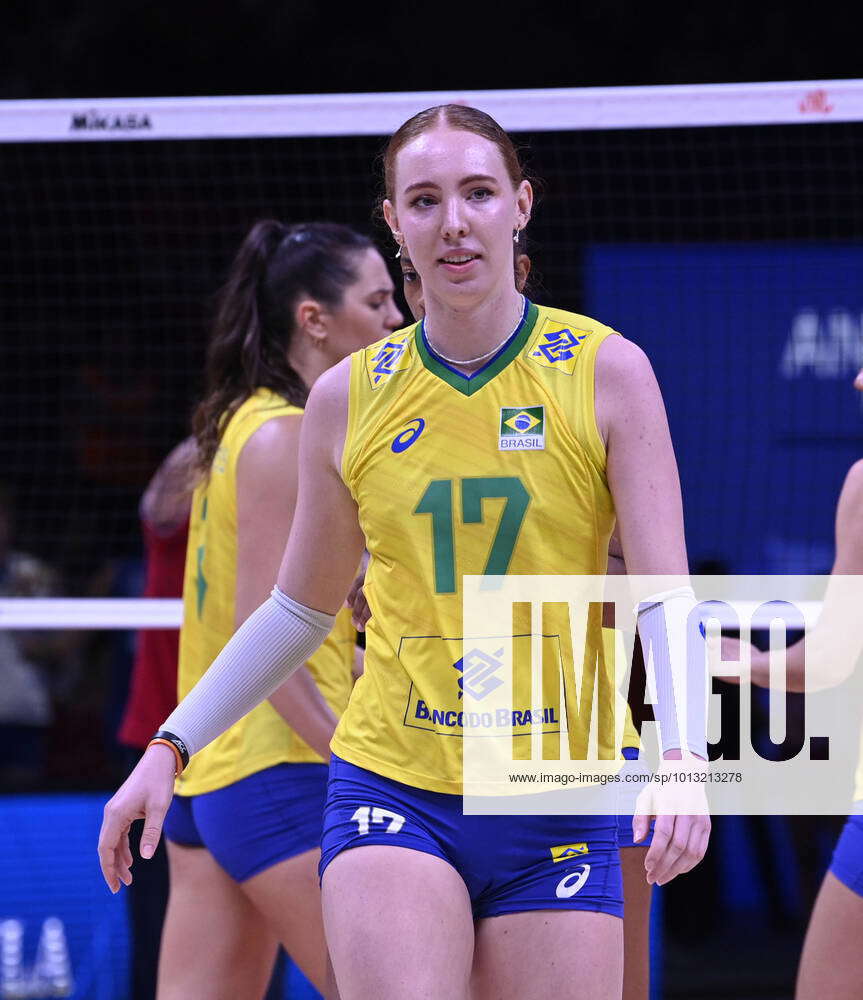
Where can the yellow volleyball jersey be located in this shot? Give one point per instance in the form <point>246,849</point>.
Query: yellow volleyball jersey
<point>500,472</point>
<point>262,738</point>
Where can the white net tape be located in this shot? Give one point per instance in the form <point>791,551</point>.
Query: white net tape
<point>138,613</point>
<point>807,101</point>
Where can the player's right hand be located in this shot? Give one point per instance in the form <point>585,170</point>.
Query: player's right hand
<point>678,804</point>
<point>145,794</point>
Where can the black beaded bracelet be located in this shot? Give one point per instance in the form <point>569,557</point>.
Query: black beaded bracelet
<point>164,736</point>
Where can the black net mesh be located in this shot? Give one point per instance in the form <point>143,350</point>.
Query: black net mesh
<point>113,252</point>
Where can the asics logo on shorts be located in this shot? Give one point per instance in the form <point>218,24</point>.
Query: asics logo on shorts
<point>571,883</point>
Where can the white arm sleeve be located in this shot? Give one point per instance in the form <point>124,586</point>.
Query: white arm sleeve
<point>673,643</point>
<point>262,654</point>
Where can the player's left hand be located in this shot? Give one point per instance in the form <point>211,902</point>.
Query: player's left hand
<point>676,799</point>
<point>360,611</point>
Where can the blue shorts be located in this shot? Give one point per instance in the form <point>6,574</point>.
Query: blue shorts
<point>255,823</point>
<point>510,864</point>
<point>847,863</point>
<point>624,818</point>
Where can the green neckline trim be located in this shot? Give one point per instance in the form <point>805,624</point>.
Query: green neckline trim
<point>469,384</point>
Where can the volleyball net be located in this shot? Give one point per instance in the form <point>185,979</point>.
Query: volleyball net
<point>717,226</point>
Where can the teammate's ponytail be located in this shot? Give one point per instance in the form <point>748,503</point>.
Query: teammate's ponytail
<point>275,267</point>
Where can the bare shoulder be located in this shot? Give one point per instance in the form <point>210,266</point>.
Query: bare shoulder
<point>274,439</point>
<point>853,485</point>
<point>850,509</point>
<point>182,457</point>
<point>165,503</point>
<point>622,363</point>
<point>849,517</point>
<point>325,420</point>
<point>626,390</point>
<point>267,465</point>
<point>329,395</point>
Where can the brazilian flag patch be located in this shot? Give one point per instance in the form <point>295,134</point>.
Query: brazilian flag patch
<point>522,428</point>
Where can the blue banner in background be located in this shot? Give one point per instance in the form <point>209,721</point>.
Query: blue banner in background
<point>63,933</point>
<point>755,348</point>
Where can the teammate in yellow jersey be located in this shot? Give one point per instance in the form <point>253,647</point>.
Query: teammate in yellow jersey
<point>832,961</point>
<point>497,436</point>
<point>244,828</point>
<point>637,891</point>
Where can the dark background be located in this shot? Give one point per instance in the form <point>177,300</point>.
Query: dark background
<point>120,48</point>
<point>113,250</point>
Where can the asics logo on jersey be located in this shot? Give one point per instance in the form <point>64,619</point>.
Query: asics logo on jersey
<point>478,669</point>
<point>559,346</point>
<point>386,358</point>
<point>571,883</point>
<point>566,852</point>
<point>404,439</point>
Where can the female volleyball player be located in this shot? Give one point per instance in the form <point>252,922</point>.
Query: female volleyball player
<point>831,964</point>
<point>401,450</point>
<point>244,829</point>
<point>637,891</point>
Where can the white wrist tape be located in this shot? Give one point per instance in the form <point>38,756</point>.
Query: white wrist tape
<point>267,648</point>
<point>673,643</point>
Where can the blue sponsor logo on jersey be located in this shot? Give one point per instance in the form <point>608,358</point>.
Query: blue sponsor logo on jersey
<point>440,718</point>
<point>384,362</point>
<point>559,346</point>
<point>404,439</point>
<point>477,671</point>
